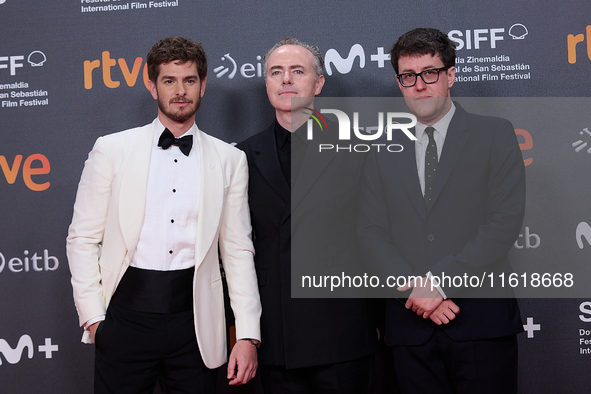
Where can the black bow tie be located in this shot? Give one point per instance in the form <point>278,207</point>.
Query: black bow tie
<point>167,139</point>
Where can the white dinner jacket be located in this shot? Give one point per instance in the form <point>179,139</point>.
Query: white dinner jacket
<point>109,212</point>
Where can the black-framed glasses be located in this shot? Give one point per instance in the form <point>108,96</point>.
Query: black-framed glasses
<point>428,76</point>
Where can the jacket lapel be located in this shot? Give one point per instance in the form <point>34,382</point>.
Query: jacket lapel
<point>313,165</point>
<point>267,164</point>
<point>407,167</point>
<point>455,141</point>
<point>211,196</point>
<point>134,183</point>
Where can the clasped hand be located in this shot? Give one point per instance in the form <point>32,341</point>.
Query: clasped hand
<point>427,302</point>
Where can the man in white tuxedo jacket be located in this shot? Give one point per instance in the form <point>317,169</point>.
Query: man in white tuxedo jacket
<point>154,206</point>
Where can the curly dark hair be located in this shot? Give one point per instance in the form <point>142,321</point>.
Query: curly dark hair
<point>177,49</point>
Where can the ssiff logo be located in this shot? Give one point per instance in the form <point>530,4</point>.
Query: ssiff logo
<point>472,38</point>
<point>12,63</point>
<point>13,356</point>
<point>585,308</point>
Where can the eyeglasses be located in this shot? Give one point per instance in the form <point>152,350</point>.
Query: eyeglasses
<point>428,76</point>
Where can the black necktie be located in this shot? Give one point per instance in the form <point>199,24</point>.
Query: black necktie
<point>167,139</point>
<point>430,166</point>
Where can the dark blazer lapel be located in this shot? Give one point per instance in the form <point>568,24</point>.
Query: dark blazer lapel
<point>455,141</point>
<point>314,164</point>
<point>407,167</point>
<point>267,163</point>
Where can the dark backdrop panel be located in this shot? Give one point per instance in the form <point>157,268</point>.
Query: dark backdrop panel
<point>59,92</point>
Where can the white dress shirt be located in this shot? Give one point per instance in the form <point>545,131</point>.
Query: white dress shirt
<point>167,239</point>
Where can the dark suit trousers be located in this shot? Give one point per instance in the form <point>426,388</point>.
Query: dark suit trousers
<point>445,366</point>
<point>349,377</point>
<point>136,348</point>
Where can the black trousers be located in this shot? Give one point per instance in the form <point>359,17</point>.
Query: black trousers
<point>136,348</point>
<point>445,366</point>
<point>350,377</point>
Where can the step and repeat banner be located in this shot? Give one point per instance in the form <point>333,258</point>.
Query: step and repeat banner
<point>73,70</point>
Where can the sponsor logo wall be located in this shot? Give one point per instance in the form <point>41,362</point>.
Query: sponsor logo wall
<point>71,71</point>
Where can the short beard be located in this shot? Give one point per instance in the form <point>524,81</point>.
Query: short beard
<point>178,117</point>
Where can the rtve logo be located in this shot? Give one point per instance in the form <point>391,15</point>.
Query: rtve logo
<point>571,44</point>
<point>527,144</point>
<point>106,65</point>
<point>14,355</point>
<point>34,165</point>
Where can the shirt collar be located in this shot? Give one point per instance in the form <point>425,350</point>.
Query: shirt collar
<point>281,134</point>
<point>441,126</point>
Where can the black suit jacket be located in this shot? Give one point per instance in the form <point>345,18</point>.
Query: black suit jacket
<point>476,215</point>
<point>300,332</point>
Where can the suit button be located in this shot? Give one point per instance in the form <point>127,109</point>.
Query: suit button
<point>431,237</point>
